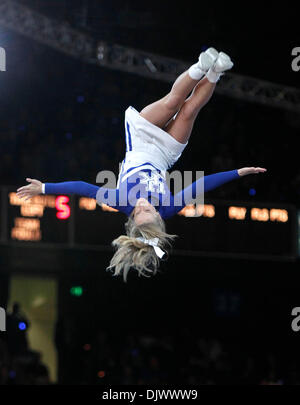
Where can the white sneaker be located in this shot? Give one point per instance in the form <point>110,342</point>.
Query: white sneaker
<point>222,63</point>
<point>207,59</point>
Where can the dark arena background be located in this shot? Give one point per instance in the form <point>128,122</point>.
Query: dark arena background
<point>223,309</point>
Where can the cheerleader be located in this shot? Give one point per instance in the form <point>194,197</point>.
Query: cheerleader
<point>155,140</point>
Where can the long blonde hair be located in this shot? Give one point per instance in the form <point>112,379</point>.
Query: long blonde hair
<point>133,253</point>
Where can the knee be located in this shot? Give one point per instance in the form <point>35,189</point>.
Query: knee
<point>173,102</point>
<point>188,112</point>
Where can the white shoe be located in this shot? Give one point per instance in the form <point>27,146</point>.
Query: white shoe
<point>223,63</point>
<point>207,59</point>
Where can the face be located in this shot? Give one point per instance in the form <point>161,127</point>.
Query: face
<point>144,212</point>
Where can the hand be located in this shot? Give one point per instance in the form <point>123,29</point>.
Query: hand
<point>32,189</point>
<point>250,170</point>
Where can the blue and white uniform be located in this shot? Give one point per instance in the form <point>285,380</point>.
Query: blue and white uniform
<point>150,152</point>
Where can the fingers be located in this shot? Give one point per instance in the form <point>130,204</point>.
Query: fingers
<point>255,170</point>
<point>260,170</point>
<point>33,181</point>
<point>22,194</point>
<point>28,191</point>
<point>25,197</point>
<point>25,191</point>
<point>24,188</point>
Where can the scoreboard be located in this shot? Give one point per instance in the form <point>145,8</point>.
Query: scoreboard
<point>38,220</point>
<point>216,227</point>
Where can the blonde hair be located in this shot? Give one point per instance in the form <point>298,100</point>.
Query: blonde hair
<point>133,253</point>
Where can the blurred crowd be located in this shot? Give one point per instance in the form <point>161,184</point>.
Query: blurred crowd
<point>145,358</point>
<point>19,365</point>
<point>177,358</point>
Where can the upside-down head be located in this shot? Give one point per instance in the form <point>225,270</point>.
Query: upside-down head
<point>134,253</point>
<point>144,212</point>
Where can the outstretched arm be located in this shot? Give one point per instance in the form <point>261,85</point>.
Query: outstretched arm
<point>208,183</point>
<point>69,187</point>
<point>213,181</point>
<point>101,194</point>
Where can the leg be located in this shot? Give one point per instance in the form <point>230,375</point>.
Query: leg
<point>161,111</point>
<point>181,127</point>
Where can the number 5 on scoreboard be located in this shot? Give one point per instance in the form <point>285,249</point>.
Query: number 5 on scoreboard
<point>63,209</point>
